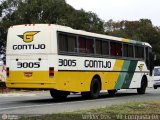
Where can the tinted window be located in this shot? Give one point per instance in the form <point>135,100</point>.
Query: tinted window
<point>128,50</point>
<point>139,52</point>
<point>82,45</point>
<point>86,45</point>
<point>90,46</point>
<point>98,47</point>
<point>62,42</point>
<point>72,44</point>
<point>116,49</point>
<point>67,43</point>
<point>105,48</point>
<point>102,47</point>
<point>125,50</point>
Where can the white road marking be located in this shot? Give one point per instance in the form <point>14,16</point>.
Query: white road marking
<point>23,107</point>
<point>17,95</point>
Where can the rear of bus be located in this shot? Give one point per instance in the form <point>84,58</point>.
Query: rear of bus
<point>28,52</point>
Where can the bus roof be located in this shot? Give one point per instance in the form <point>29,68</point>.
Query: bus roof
<point>85,33</point>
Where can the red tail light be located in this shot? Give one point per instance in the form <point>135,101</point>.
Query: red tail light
<point>7,71</point>
<point>51,72</point>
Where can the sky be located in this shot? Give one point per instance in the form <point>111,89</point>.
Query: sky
<point>118,10</point>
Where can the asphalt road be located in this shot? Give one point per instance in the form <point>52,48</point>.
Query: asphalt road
<point>42,103</point>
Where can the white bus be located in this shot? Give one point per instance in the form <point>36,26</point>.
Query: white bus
<point>65,60</point>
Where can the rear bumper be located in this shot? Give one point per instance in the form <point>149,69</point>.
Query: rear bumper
<point>32,85</point>
<point>37,80</point>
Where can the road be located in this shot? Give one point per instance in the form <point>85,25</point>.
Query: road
<point>42,103</point>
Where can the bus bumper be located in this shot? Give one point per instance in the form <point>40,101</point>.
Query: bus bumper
<point>30,85</point>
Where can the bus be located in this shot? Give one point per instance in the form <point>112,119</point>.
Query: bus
<point>64,60</point>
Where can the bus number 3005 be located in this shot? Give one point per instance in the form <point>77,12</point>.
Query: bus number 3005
<point>28,64</point>
<point>65,62</point>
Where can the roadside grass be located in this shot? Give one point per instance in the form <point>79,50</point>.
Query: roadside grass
<point>137,110</point>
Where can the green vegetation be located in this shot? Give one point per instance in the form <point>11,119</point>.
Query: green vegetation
<point>142,30</point>
<point>13,12</point>
<point>116,112</point>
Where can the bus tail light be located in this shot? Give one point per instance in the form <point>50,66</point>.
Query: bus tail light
<point>7,71</point>
<point>51,72</point>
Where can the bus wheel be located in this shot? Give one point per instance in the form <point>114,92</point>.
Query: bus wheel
<point>94,90</point>
<point>112,92</point>
<point>155,87</point>
<point>59,95</point>
<point>143,87</point>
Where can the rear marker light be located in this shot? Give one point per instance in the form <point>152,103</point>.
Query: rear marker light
<point>51,72</point>
<point>7,71</point>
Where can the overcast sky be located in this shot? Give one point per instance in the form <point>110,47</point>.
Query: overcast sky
<point>121,9</point>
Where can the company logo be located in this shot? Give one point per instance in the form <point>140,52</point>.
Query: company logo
<point>141,67</point>
<point>28,36</point>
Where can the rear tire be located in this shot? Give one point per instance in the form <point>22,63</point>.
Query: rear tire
<point>143,87</point>
<point>94,89</point>
<point>59,95</point>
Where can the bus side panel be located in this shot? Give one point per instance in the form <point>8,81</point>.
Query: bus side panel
<point>110,78</point>
<point>79,81</point>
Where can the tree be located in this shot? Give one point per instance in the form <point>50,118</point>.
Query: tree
<point>141,30</point>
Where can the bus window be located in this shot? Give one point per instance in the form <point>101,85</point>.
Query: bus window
<point>139,52</point>
<point>113,48</point>
<point>102,47</point>
<point>89,47</point>
<point>128,50</point>
<point>62,42</point>
<point>105,48</point>
<point>116,49</point>
<point>136,51</point>
<point>86,45</point>
<point>125,50</point>
<point>98,47</point>
<point>72,44</point>
<point>67,43</point>
<point>82,45</point>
